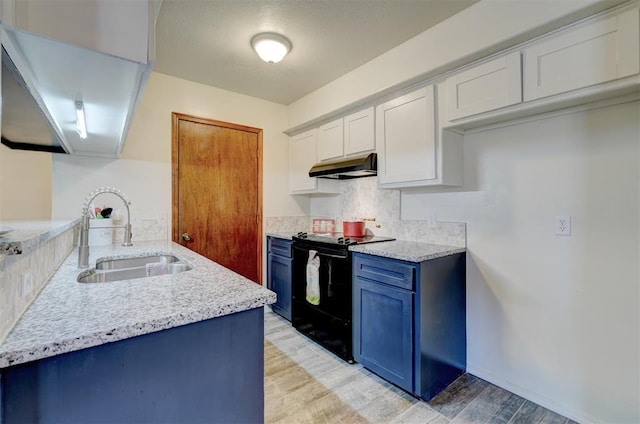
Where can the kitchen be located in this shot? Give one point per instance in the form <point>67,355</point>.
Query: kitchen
<point>554,319</point>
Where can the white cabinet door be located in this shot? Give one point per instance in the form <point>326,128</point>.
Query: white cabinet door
<point>359,132</point>
<point>488,86</point>
<point>120,28</point>
<point>330,140</point>
<point>591,53</point>
<point>405,131</point>
<point>302,156</point>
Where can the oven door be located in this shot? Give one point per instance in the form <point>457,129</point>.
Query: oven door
<point>329,322</point>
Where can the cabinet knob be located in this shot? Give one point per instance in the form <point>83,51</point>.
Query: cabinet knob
<point>186,237</point>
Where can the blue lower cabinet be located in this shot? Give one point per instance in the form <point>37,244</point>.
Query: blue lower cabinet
<point>206,372</point>
<point>409,320</point>
<point>384,342</point>
<point>279,274</point>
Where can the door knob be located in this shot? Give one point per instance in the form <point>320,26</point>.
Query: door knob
<point>186,237</point>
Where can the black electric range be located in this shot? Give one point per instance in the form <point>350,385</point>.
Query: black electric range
<point>339,239</point>
<point>327,320</point>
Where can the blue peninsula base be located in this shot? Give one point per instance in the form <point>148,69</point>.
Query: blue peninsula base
<point>209,371</point>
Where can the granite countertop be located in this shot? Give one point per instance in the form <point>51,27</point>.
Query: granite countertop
<point>411,251</point>
<point>68,316</point>
<point>407,250</point>
<point>20,237</point>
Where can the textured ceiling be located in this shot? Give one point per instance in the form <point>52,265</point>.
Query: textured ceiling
<point>208,41</point>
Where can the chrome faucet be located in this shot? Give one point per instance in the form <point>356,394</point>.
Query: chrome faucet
<point>83,248</point>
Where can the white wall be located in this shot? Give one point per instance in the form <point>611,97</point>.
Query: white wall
<point>550,317</point>
<point>144,170</point>
<point>25,185</point>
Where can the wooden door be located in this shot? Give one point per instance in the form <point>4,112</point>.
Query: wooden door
<point>217,192</point>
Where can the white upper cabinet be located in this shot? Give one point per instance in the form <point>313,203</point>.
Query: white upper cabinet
<point>359,132</point>
<point>351,135</point>
<point>410,153</point>
<point>124,29</point>
<point>331,140</point>
<point>590,53</point>
<point>302,156</point>
<point>488,86</point>
<point>418,136</point>
<point>406,133</point>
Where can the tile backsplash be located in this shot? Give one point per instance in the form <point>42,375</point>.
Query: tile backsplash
<point>145,227</point>
<point>284,224</point>
<point>361,198</point>
<point>22,276</point>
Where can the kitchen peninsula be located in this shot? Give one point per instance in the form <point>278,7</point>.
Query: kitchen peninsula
<point>175,347</point>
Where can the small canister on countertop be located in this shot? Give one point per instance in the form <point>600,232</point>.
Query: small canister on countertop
<point>353,228</point>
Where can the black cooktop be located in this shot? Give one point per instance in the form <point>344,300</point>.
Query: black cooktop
<point>340,239</point>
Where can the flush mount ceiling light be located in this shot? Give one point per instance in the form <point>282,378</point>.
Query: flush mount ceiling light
<point>271,47</point>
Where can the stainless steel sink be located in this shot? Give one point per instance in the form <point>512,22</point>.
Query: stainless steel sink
<point>133,267</point>
<point>112,275</point>
<point>130,262</point>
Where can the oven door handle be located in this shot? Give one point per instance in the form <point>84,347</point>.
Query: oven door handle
<point>321,253</point>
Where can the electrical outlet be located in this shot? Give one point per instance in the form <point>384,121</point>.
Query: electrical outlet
<point>563,225</point>
<point>433,222</point>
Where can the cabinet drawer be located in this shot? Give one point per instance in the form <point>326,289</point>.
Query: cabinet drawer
<point>279,246</point>
<point>387,271</point>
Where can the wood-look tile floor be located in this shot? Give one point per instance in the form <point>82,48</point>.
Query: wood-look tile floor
<point>306,384</point>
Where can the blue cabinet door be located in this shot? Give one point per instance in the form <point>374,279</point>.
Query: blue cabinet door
<point>279,281</point>
<point>383,330</point>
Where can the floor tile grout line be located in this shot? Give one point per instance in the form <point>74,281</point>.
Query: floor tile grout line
<point>470,402</point>
<point>517,410</point>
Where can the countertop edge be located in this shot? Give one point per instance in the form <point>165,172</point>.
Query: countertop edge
<point>43,351</point>
<point>28,235</point>
<point>407,251</point>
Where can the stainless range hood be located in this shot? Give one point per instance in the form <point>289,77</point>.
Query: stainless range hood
<point>43,81</point>
<point>347,168</point>
<point>24,125</point>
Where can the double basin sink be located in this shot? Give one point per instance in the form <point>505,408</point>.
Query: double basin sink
<point>131,267</point>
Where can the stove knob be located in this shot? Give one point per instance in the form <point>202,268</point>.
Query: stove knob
<point>347,241</point>
<point>340,240</point>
